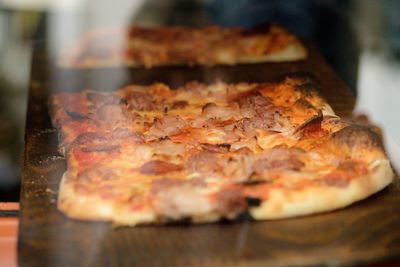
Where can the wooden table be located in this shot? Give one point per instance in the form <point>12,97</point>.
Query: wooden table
<point>364,233</point>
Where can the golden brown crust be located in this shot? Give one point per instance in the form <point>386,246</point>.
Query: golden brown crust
<point>358,139</point>
<point>95,208</point>
<point>314,199</point>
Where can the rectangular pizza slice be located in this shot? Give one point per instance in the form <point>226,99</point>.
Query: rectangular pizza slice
<point>153,154</point>
<point>139,46</point>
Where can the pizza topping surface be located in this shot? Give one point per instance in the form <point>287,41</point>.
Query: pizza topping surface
<point>278,159</point>
<point>217,148</point>
<point>111,114</point>
<point>141,101</point>
<point>99,99</point>
<point>206,152</point>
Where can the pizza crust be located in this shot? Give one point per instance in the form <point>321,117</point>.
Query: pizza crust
<point>94,208</point>
<point>284,203</point>
<point>280,203</point>
<point>292,52</point>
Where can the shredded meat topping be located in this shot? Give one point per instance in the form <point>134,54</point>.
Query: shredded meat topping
<point>212,111</point>
<point>204,162</point>
<point>165,183</point>
<point>97,174</point>
<point>254,104</point>
<point>111,114</point>
<point>278,159</point>
<point>237,167</point>
<point>219,148</point>
<point>99,99</point>
<point>122,133</point>
<point>260,111</point>
<point>159,167</point>
<point>141,101</point>
<point>179,104</point>
<point>166,126</point>
<point>167,147</point>
<point>181,201</point>
<point>230,202</point>
<point>91,138</point>
<point>100,148</point>
<point>244,127</point>
<point>173,198</point>
<point>162,184</point>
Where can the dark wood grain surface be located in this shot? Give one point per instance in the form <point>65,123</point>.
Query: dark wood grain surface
<point>366,232</point>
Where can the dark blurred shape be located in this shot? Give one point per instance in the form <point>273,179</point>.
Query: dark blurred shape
<point>391,12</point>
<point>325,23</point>
<point>16,32</point>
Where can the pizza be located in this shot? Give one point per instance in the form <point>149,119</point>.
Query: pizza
<point>148,47</point>
<point>208,152</point>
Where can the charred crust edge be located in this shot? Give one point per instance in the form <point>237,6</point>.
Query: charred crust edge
<point>358,135</point>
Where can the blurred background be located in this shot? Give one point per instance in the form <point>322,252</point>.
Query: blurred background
<point>360,39</point>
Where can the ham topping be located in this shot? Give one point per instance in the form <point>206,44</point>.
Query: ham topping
<point>278,159</point>
<point>111,114</point>
<point>99,99</point>
<point>178,199</point>
<point>158,167</point>
<point>141,101</point>
<point>166,126</point>
<point>90,138</point>
<point>162,184</point>
<point>260,110</point>
<point>204,162</point>
<point>230,202</point>
<point>237,167</point>
<point>212,111</point>
<point>219,148</point>
<point>254,104</point>
<point>125,133</point>
<point>97,174</point>
<point>244,127</point>
<point>179,104</point>
<point>102,148</point>
<point>167,147</point>
<point>94,142</point>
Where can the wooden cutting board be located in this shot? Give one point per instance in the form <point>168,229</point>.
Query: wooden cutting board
<point>366,232</point>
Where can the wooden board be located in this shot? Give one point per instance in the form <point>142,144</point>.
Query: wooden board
<point>366,232</point>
